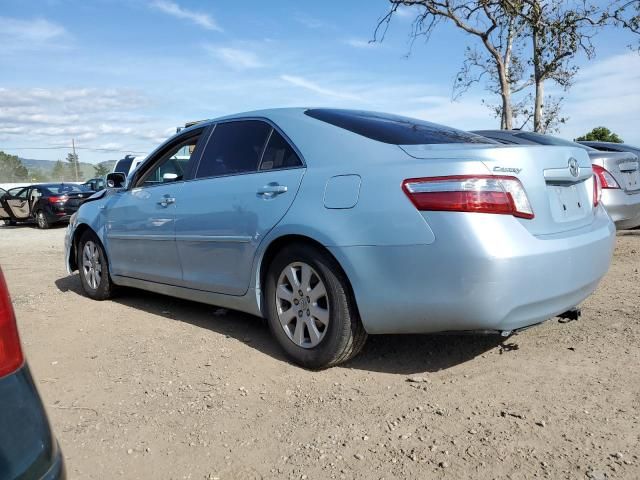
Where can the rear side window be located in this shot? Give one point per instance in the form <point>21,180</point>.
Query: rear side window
<point>394,129</point>
<point>279,154</point>
<point>19,192</point>
<point>234,147</point>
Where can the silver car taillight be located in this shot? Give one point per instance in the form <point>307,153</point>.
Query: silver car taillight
<point>469,193</point>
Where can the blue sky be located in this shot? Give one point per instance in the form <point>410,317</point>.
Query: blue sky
<point>119,76</point>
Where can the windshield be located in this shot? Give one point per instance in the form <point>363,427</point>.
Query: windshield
<point>550,140</point>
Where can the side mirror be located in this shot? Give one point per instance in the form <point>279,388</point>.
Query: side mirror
<point>169,177</point>
<point>116,180</point>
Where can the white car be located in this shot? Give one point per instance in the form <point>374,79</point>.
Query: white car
<point>128,164</point>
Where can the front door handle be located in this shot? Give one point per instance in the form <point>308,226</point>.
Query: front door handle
<point>166,201</point>
<point>271,190</point>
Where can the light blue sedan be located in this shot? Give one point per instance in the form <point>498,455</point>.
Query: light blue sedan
<point>335,224</point>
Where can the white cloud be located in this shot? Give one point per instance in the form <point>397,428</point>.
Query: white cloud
<point>236,58</point>
<point>172,8</point>
<point>605,93</point>
<point>311,22</point>
<point>18,34</point>
<point>103,120</point>
<point>360,43</point>
<point>407,12</point>
<point>314,87</point>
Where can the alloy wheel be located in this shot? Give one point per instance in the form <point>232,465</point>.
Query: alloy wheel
<point>42,222</point>
<point>91,264</point>
<point>302,304</point>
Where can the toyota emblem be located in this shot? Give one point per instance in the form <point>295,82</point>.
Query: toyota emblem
<point>574,168</point>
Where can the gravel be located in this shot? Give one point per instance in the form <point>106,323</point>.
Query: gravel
<point>146,386</point>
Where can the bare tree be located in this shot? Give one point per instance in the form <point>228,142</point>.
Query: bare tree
<point>626,14</point>
<point>559,30</point>
<point>492,22</point>
<point>522,44</point>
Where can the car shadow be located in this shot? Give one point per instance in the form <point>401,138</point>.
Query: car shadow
<point>33,225</point>
<point>399,354</point>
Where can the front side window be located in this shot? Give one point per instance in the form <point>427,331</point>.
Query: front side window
<point>279,154</point>
<point>172,164</point>
<point>234,147</point>
<point>20,192</point>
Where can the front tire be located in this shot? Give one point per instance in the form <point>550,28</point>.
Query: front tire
<point>310,309</point>
<point>41,220</point>
<point>93,267</point>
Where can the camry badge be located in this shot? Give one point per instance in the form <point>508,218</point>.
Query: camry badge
<point>574,168</point>
<point>507,170</point>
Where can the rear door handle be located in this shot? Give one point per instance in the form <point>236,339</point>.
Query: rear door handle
<point>166,201</point>
<point>271,190</point>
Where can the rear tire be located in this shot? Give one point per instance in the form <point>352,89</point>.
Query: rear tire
<point>10,223</point>
<point>41,220</point>
<point>310,309</point>
<point>93,267</point>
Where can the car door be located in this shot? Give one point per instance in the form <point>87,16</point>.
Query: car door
<point>18,202</point>
<point>140,221</point>
<point>4,215</point>
<point>246,181</point>
<point>34,196</point>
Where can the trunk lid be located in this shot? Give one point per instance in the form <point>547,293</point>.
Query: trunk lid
<point>624,166</point>
<point>75,200</point>
<point>558,180</point>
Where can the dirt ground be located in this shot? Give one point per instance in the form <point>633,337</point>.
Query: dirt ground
<point>146,386</point>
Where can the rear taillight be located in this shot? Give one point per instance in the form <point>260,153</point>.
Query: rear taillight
<point>606,179</point>
<point>597,190</point>
<point>469,193</point>
<point>60,199</point>
<point>10,351</point>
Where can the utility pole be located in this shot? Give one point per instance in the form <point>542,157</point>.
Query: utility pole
<point>75,157</point>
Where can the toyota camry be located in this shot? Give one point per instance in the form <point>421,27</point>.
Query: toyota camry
<point>336,224</point>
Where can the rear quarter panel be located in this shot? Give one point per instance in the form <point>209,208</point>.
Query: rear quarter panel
<point>382,215</point>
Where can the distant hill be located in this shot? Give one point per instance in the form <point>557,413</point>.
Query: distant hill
<point>45,167</point>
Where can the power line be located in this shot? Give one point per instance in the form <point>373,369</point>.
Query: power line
<point>61,147</point>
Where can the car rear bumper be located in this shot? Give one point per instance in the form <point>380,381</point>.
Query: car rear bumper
<point>57,470</point>
<point>27,446</point>
<point>623,208</point>
<point>483,272</point>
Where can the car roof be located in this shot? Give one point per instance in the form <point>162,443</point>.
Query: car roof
<point>263,113</point>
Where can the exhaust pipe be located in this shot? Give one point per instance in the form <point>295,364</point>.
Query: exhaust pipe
<point>570,315</point>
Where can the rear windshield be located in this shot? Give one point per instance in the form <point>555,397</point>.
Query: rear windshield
<point>63,188</point>
<point>394,129</point>
<point>550,140</point>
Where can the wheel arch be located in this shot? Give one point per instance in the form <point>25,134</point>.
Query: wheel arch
<point>77,234</point>
<point>281,242</point>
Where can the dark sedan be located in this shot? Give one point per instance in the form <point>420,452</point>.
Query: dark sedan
<point>612,147</point>
<point>27,446</point>
<point>94,184</point>
<point>45,204</point>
